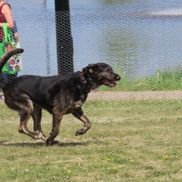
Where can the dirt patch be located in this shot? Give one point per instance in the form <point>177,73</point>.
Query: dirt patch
<point>144,95</point>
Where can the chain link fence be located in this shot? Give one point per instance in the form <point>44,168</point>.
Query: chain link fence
<point>138,41</point>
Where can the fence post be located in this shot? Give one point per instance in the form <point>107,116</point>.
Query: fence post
<point>64,39</point>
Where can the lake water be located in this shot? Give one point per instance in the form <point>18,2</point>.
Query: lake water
<point>137,37</point>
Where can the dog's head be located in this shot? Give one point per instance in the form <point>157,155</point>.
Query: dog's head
<point>100,74</point>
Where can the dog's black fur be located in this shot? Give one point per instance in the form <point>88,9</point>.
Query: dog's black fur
<point>59,95</point>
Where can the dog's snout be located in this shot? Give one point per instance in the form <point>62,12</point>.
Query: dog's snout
<point>118,77</point>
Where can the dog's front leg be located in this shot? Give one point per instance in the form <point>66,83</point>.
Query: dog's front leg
<point>57,116</point>
<point>78,113</point>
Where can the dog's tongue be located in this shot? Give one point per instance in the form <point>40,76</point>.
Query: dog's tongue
<point>109,83</point>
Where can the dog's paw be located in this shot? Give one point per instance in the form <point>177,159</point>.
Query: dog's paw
<point>80,132</point>
<point>51,142</point>
<point>39,135</point>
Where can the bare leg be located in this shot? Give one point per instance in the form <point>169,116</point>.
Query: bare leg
<point>57,116</point>
<point>87,124</point>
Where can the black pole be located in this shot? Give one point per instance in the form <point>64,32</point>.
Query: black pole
<point>64,37</point>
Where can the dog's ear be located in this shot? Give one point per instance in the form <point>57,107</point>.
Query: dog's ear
<point>92,68</point>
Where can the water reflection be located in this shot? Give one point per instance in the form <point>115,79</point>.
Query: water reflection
<point>120,48</point>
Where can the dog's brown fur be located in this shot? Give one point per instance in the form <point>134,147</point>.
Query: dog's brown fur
<point>59,95</point>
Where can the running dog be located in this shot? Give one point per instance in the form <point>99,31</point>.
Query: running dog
<point>59,95</point>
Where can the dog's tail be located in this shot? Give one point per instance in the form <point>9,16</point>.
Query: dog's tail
<point>5,58</point>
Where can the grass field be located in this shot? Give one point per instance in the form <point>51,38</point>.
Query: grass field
<point>129,141</point>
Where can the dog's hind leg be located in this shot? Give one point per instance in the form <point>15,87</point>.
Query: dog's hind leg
<point>23,104</point>
<point>24,117</point>
<point>25,111</point>
<point>37,115</point>
<point>87,124</point>
<point>57,116</point>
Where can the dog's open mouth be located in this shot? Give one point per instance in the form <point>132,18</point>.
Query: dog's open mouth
<point>109,83</point>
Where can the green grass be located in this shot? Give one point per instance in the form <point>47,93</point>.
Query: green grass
<point>129,141</point>
<point>166,80</point>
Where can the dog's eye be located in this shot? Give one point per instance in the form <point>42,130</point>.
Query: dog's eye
<point>108,70</point>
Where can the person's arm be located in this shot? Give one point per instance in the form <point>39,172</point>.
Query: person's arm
<point>6,10</point>
<point>16,36</point>
<point>15,32</point>
<point>15,29</point>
